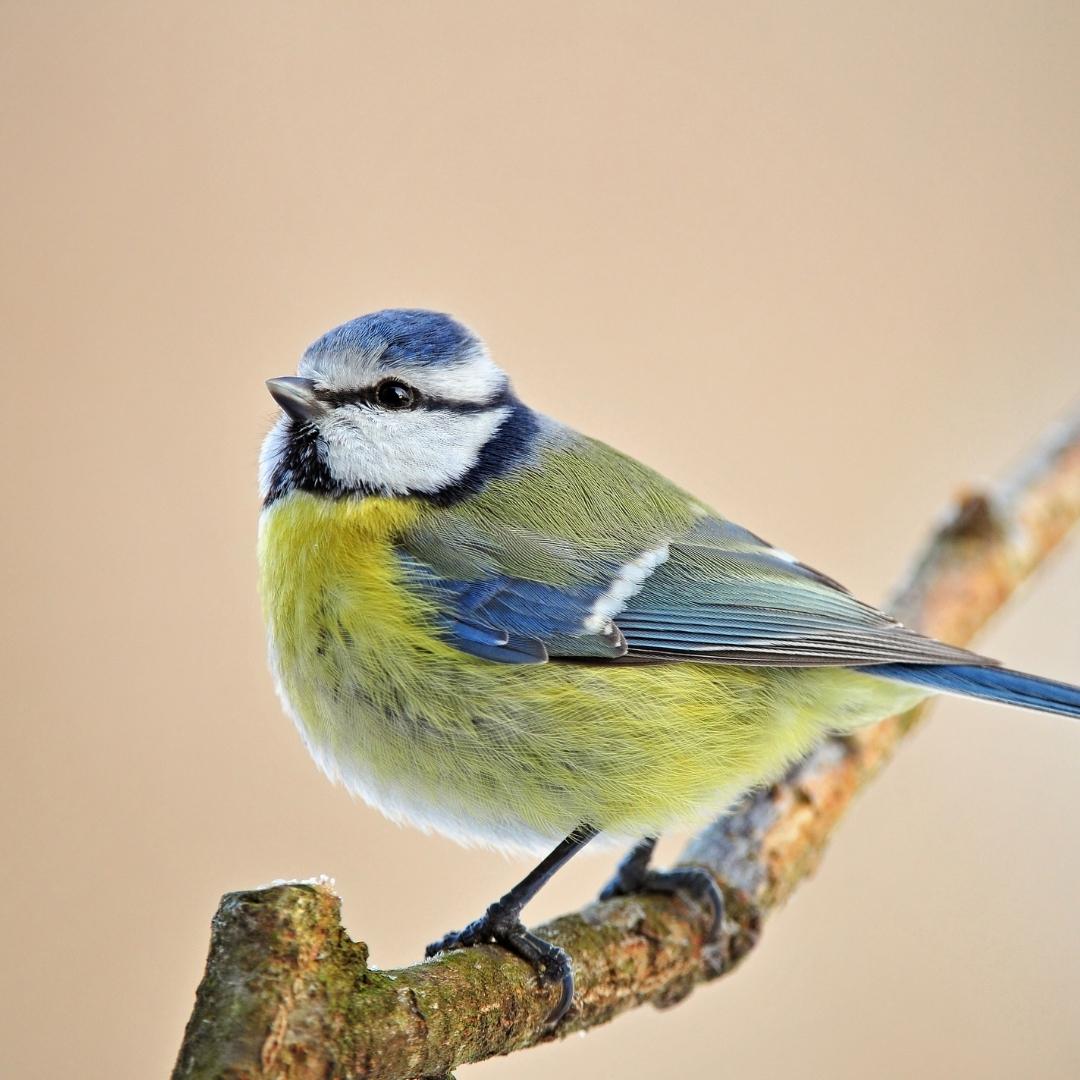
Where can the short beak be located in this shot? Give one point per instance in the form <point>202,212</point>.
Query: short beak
<point>296,397</point>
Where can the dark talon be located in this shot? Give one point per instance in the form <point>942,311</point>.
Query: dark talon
<point>552,966</point>
<point>501,925</point>
<point>476,933</point>
<point>634,876</point>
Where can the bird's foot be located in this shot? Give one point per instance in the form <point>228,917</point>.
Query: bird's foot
<point>501,926</point>
<point>633,875</point>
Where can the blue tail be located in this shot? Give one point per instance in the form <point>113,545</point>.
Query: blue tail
<point>989,683</point>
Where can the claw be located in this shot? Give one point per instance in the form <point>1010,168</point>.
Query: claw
<point>699,884</point>
<point>551,964</point>
<point>634,876</point>
<point>501,925</point>
<point>476,933</point>
<point>566,977</point>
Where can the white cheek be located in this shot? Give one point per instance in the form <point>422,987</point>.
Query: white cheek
<point>273,448</point>
<point>407,451</point>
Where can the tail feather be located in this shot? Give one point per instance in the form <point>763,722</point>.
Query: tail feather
<point>988,683</point>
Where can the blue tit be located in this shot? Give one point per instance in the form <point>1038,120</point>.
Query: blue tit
<point>490,625</point>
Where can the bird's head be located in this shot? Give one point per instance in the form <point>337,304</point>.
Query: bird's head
<point>395,403</point>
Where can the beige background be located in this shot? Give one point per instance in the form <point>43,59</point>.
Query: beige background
<point>820,263</point>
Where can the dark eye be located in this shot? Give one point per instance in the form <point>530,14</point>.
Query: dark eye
<point>391,394</point>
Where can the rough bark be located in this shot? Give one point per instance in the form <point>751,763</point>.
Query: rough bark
<point>287,994</point>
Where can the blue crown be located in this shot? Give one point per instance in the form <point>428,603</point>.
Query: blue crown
<point>398,336</point>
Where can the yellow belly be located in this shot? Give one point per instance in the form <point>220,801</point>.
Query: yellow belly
<point>512,755</point>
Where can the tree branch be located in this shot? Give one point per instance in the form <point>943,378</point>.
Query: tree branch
<point>287,994</point>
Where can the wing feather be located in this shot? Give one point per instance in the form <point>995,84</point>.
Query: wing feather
<point>753,605</point>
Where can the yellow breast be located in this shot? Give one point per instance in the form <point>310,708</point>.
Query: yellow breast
<point>515,755</point>
<point>317,555</point>
<point>337,616</point>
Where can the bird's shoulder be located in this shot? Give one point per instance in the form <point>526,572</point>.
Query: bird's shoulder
<point>575,509</point>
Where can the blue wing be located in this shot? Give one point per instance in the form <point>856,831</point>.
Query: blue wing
<point>714,594</point>
<point>512,620</point>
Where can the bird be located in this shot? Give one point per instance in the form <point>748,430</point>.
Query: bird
<point>489,625</point>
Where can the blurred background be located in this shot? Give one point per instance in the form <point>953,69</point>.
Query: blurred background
<point>819,263</point>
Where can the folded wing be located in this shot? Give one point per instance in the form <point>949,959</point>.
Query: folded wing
<point>725,596</point>
<point>714,593</point>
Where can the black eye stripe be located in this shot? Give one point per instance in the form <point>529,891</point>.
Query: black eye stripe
<point>363,395</point>
<point>367,395</point>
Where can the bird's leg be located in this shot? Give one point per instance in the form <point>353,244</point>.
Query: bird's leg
<point>501,924</point>
<point>633,875</point>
